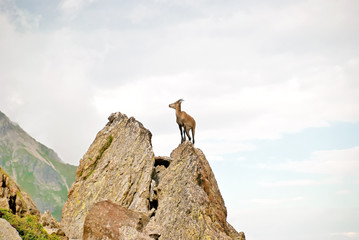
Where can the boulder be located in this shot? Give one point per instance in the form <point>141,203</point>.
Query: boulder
<point>107,220</point>
<point>7,231</point>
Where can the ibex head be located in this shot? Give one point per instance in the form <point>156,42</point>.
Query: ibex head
<point>176,104</point>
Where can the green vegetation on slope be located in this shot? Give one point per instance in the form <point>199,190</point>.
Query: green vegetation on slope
<point>29,227</point>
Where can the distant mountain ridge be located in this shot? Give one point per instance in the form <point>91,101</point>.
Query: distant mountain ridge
<point>36,168</point>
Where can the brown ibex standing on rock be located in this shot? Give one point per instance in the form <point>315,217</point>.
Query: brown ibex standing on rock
<point>184,121</point>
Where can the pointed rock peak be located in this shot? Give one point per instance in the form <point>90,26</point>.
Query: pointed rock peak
<point>174,197</point>
<point>117,118</point>
<point>117,166</point>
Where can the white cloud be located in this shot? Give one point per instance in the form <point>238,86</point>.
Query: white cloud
<point>230,64</point>
<point>298,182</point>
<point>276,201</point>
<point>45,89</point>
<point>296,223</point>
<point>72,7</point>
<point>354,235</point>
<point>235,91</point>
<point>142,13</point>
<point>344,192</point>
<point>334,162</point>
<point>241,159</point>
<point>217,150</point>
<point>21,19</point>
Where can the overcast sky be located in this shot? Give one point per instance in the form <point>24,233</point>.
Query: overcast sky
<point>273,86</point>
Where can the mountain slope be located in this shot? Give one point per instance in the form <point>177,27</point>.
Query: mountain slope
<point>37,169</point>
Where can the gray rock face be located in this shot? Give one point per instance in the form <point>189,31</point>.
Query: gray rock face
<point>174,197</point>
<point>7,231</point>
<point>51,225</point>
<point>13,198</point>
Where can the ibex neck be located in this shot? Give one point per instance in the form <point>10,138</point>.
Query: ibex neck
<point>178,109</point>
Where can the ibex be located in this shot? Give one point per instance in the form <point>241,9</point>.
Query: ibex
<point>184,121</point>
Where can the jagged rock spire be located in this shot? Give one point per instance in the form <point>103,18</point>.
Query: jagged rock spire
<point>174,197</point>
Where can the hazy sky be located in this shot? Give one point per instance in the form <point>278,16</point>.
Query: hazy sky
<point>273,86</point>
